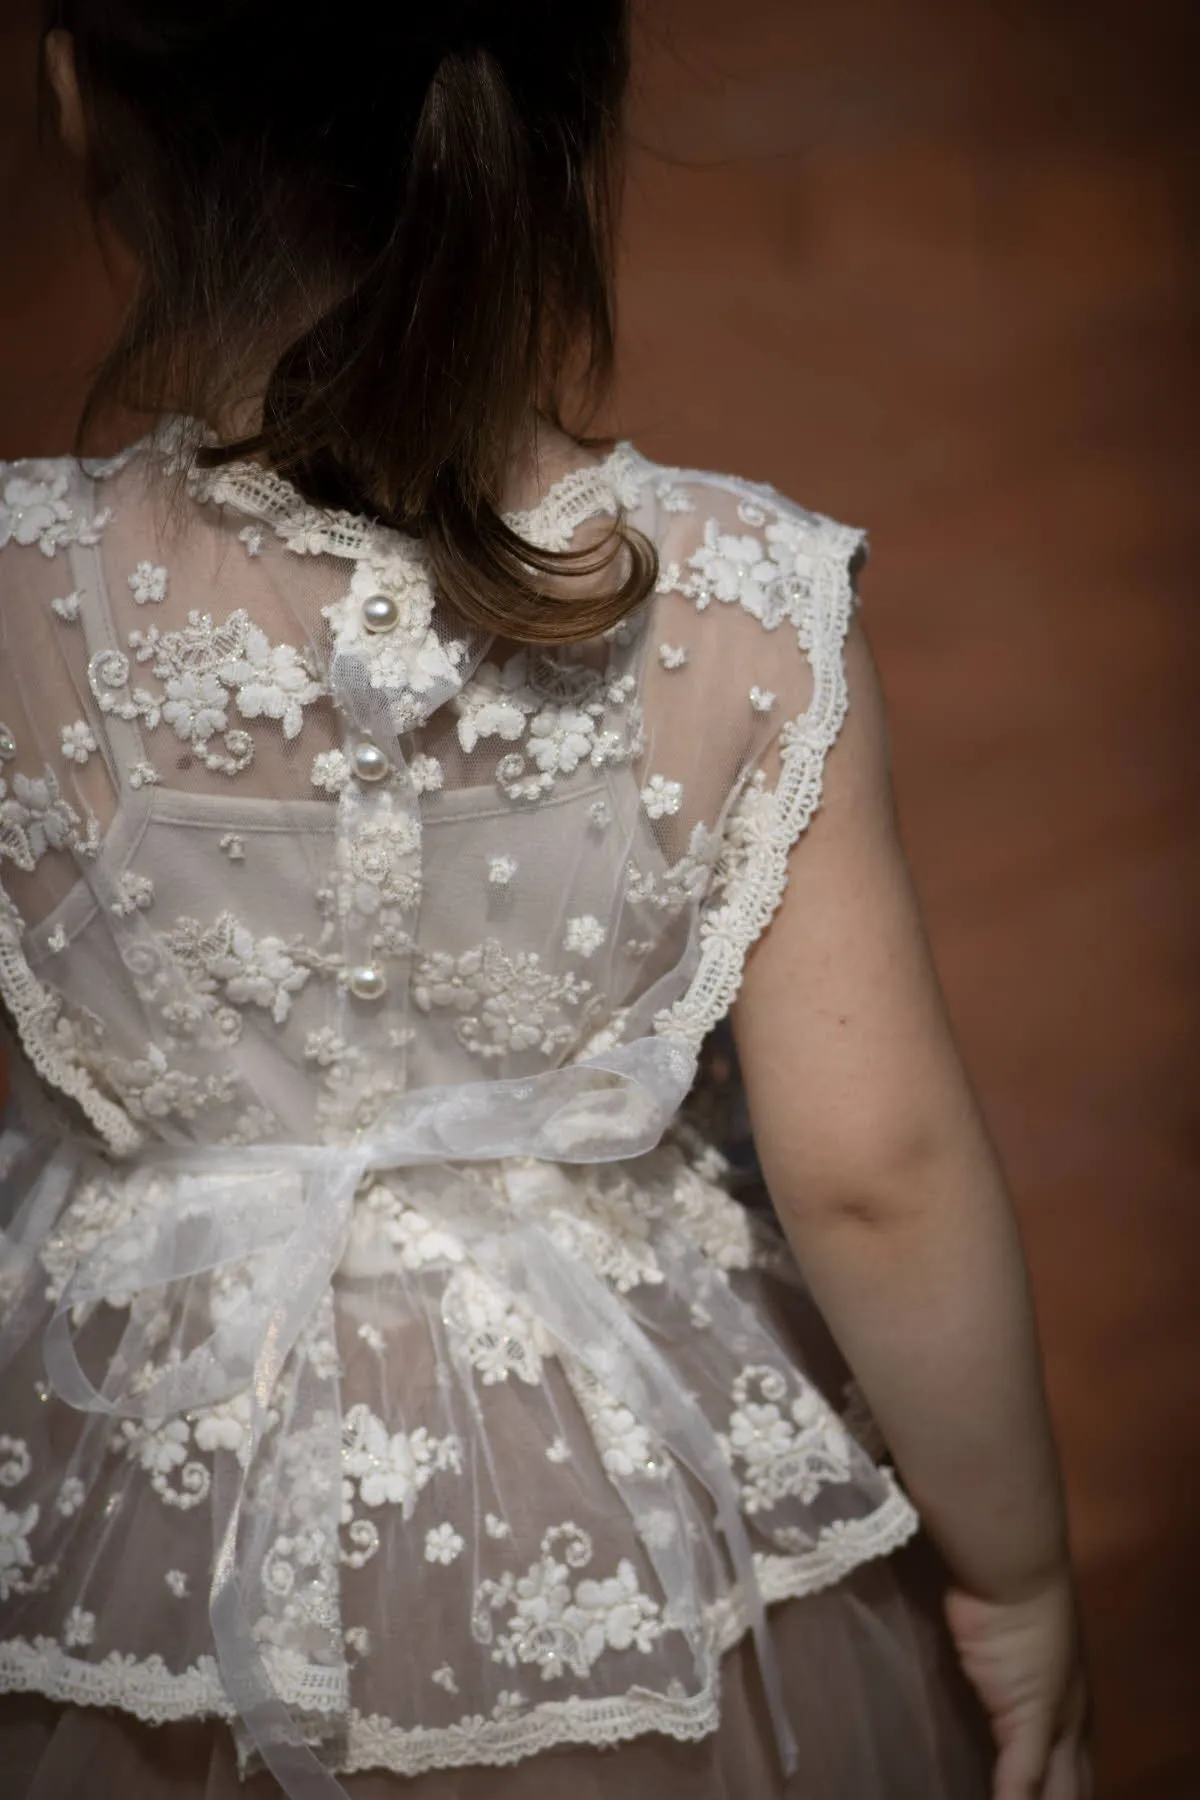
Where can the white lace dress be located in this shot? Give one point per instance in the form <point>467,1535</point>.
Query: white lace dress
<point>391,1384</point>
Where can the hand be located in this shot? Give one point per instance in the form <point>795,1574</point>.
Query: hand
<point>1023,1659</point>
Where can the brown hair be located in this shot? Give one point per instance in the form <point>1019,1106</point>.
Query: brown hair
<point>421,199</point>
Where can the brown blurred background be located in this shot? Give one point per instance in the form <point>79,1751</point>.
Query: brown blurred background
<point>931,267</point>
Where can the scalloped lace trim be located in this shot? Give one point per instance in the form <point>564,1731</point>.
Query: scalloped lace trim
<point>262,494</point>
<point>35,1012</point>
<point>753,896</point>
<point>157,1695</point>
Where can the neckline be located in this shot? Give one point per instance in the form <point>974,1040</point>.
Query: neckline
<point>259,492</point>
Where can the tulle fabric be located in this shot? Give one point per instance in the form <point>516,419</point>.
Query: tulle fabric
<point>880,1708</point>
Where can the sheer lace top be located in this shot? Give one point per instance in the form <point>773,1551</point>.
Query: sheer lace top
<point>281,841</point>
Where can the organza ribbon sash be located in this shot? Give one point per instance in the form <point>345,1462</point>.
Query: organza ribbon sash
<point>284,1211</point>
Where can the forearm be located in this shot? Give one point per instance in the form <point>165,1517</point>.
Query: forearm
<point>931,1306</point>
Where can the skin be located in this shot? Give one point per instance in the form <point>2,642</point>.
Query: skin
<point>889,1192</point>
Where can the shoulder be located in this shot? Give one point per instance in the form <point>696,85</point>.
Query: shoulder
<point>722,538</point>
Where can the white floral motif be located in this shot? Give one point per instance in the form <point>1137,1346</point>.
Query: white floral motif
<point>501,870</point>
<point>134,894</point>
<point>784,1453</point>
<point>251,536</point>
<point>761,699</point>
<point>70,1496</point>
<point>160,1447</point>
<point>67,607</point>
<point>263,972</point>
<point>391,1468</point>
<point>560,738</point>
<point>508,1004</point>
<point>330,771</point>
<point>35,818</point>
<point>16,1463</point>
<point>495,1526</point>
<point>445,1677</point>
<point>177,1582</point>
<point>442,1544</point>
<point>496,703</point>
<point>79,1628</point>
<point>148,583</point>
<point>558,1626</point>
<point>34,509</point>
<point>78,743</point>
<point>204,668</point>
<point>272,681</point>
<point>499,1338</point>
<point>143,774</point>
<point>378,862</point>
<point>584,935</point>
<point>662,797</point>
<point>426,774</point>
<point>672,656</point>
<point>15,1554</point>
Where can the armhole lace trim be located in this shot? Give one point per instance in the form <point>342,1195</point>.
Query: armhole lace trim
<point>34,1012</point>
<point>753,895</point>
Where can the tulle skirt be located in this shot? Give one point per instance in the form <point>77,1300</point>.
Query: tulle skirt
<point>880,1709</point>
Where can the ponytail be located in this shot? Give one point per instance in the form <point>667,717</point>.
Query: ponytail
<point>448,238</point>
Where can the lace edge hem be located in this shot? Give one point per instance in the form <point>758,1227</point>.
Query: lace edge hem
<point>155,1695</point>
<point>729,933</point>
<point>34,1011</point>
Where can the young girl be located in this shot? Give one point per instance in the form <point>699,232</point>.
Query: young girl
<point>397,789</point>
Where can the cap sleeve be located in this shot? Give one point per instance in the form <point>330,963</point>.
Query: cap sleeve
<point>746,689</point>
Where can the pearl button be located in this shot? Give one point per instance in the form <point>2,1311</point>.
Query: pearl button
<point>380,613</point>
<point>367,982</point>
<point>370,764</point>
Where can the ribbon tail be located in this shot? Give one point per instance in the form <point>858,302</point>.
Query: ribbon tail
<point>307,1267</point>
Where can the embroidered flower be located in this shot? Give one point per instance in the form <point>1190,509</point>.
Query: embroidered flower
<point>149,583</point>
<point>15,1553</point>
<point>330,771</point>
<point>358,1639</point>
<point>70,1496</point>
<point>761,699</point>
<point>672,656</point>
<point>733,568</point>
<point>391,1468</point>
<point>273,681</point>
<point>67,607</point>
<point>445,1678</point>
<point>495,704</point>
<point>501,870</point>
<point>233,846</point>
<point>34,509</point>
<point>143,774</point>
<point>600,814</point>
<point>442,1544</point>
<point>559,1451</point>
<point>251,536</point>
<point>584,935</point>
<point>427,774</point>
<point>134,894</point>
<point>77,741</point>
<point>495,1527</point>
<point>194,707</point>
<point>256,971</point>
<point>661,797</point>
<point>560,738</point>
<point>177,1582</point>
<point>79,1628</point>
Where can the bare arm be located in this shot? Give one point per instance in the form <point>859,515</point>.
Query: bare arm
<point>885,1182</point>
